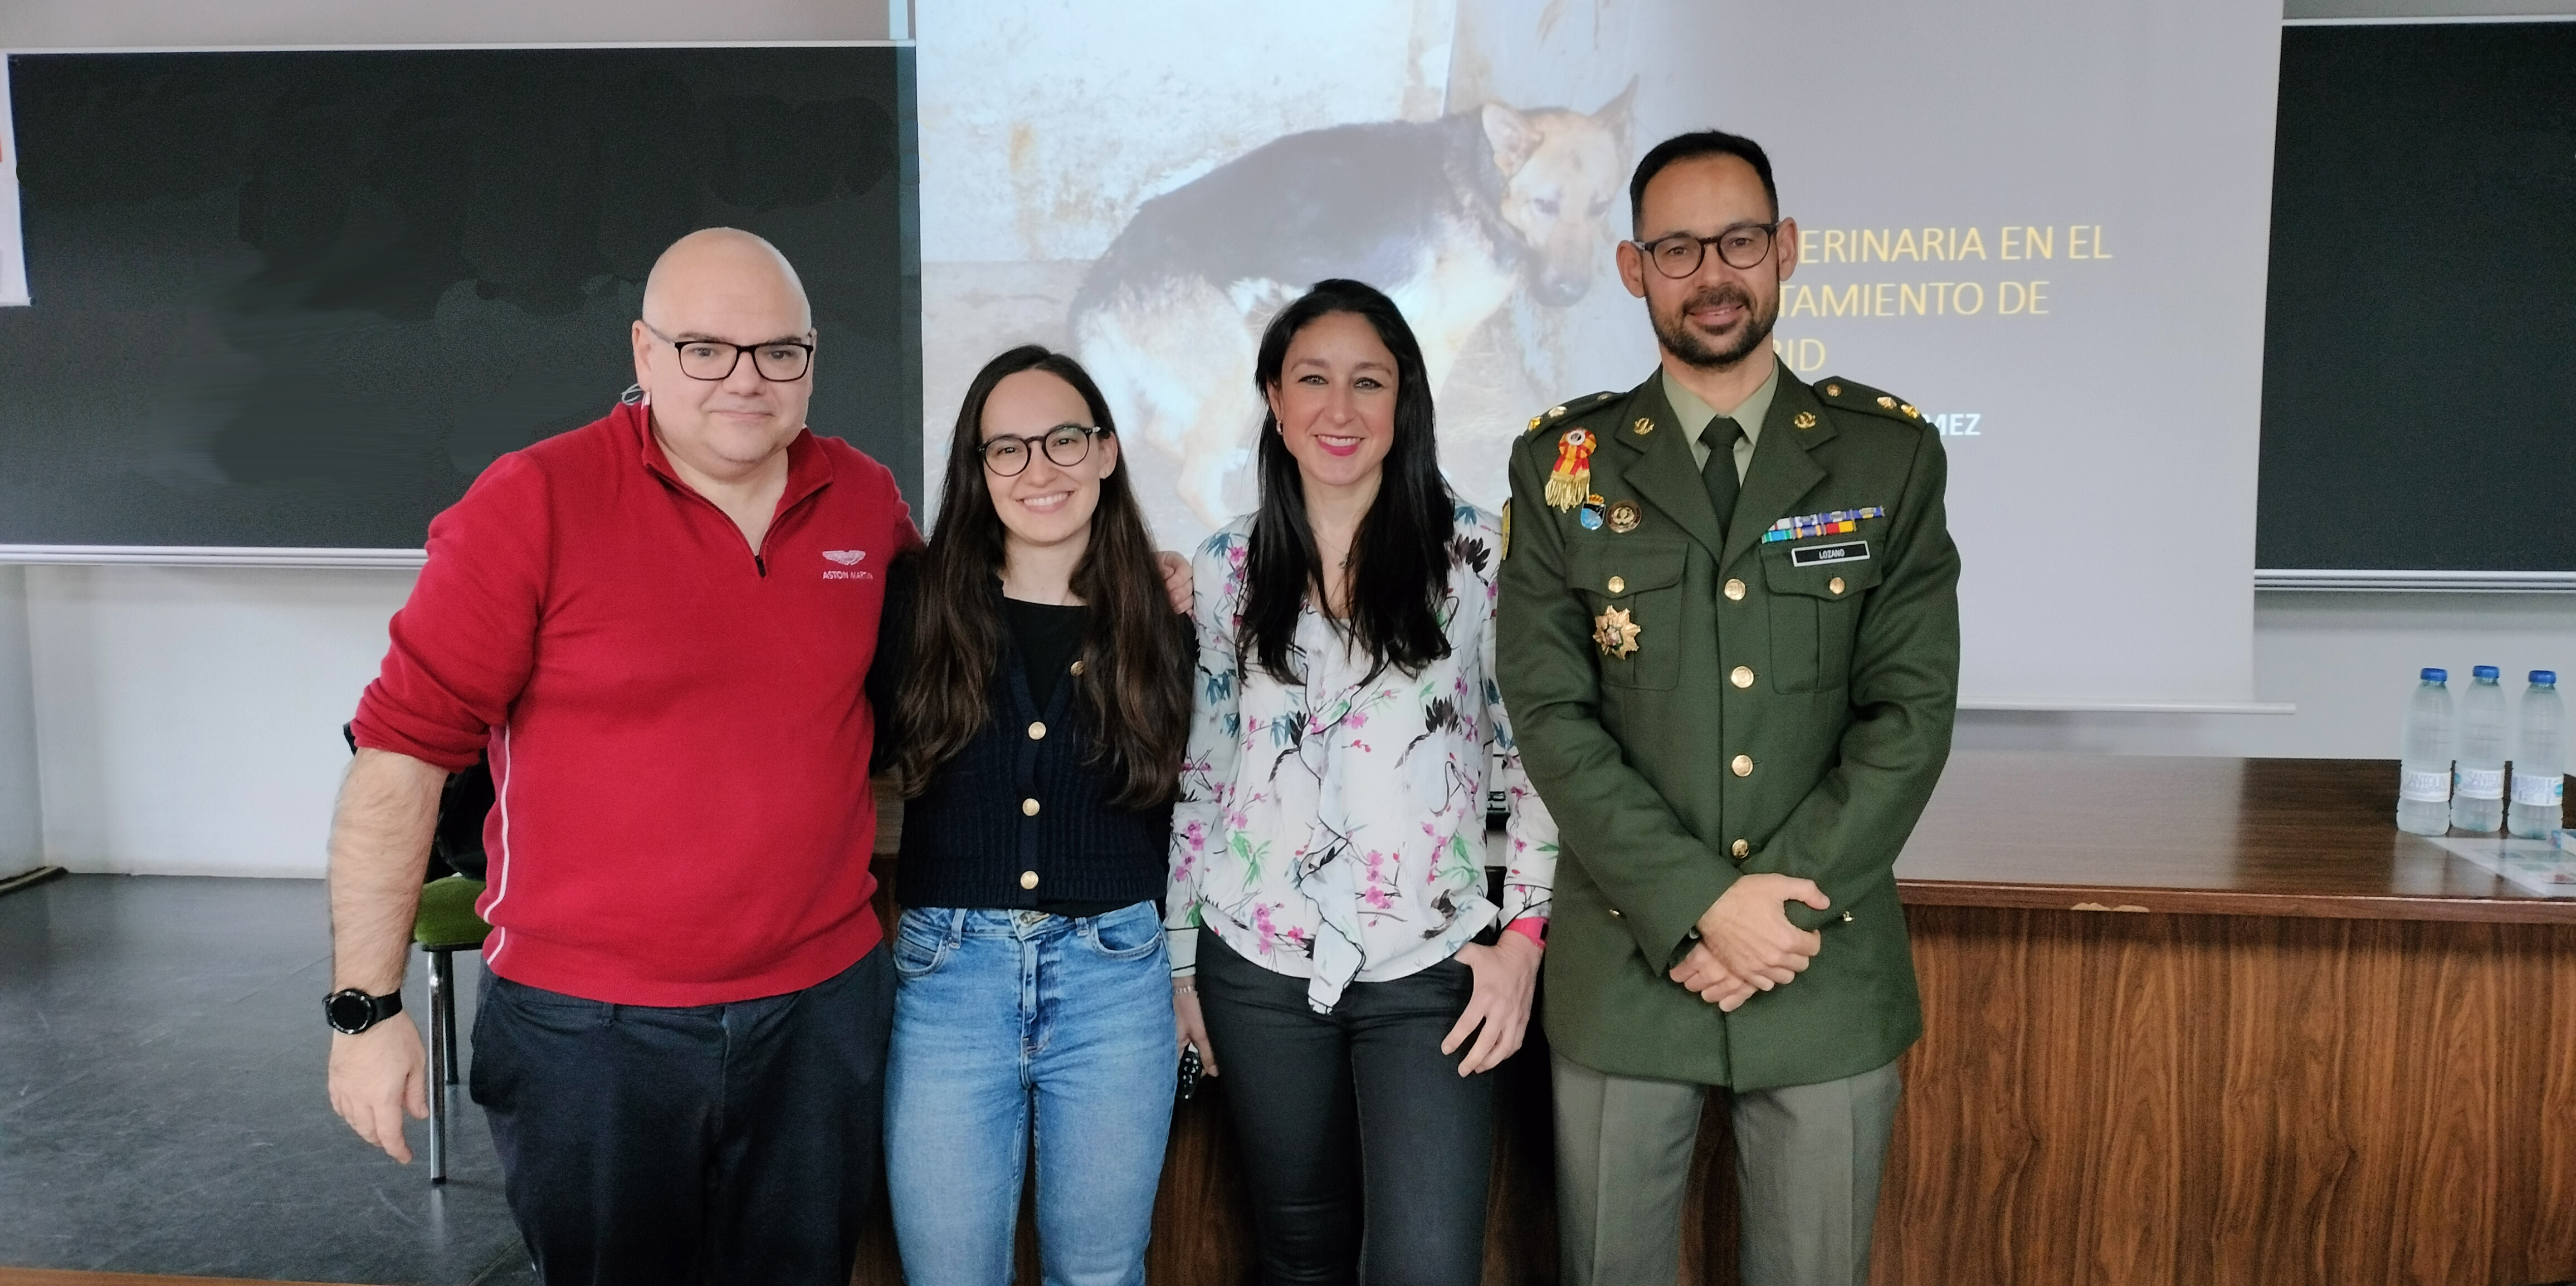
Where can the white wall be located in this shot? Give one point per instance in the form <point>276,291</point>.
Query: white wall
<point>2347,661</point>
<point>22,832</point>
<point>188,719</point>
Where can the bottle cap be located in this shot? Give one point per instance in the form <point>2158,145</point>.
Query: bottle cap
<point>2547,678</point>
<point>2435,674</point>
<point>2485,672</point>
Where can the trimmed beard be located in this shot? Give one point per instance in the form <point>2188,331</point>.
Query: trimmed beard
<point>1674,332</point>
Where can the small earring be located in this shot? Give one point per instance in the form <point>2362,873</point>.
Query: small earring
<point>634,396</point>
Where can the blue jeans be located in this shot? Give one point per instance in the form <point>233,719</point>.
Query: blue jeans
<point>1003,1018</point>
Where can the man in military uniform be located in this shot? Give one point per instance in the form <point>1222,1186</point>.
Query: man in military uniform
<point>1730,645</point>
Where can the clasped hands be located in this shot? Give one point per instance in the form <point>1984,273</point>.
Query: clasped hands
<point>1746,943</point>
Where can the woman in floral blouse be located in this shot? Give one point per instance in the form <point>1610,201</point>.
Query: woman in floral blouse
<point>1331,931</point>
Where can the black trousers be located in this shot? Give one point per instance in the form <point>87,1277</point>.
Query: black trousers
<point>733,1143</point>
<point>1365,1152</point>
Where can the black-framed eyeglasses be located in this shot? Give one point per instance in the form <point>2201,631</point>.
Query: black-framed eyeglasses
<point>1681,254</point>
<point>1066,445</point>
<point>779,361</point>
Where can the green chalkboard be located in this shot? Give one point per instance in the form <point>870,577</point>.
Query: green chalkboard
<point>2419,397</point>
<point>302,298</point>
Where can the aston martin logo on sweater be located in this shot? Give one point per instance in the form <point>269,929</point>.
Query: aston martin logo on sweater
<point>846,558</point>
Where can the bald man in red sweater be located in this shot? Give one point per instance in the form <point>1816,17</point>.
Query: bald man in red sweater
<point>659,625</point>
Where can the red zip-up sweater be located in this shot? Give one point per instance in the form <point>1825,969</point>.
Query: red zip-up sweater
<point>678,724</point>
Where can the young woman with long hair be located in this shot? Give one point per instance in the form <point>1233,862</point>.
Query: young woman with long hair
<point>1331,931</point>
<point>1035,675</point>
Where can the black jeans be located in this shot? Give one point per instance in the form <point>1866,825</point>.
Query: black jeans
<point>1312,1094</point>
<point>714,1143</point>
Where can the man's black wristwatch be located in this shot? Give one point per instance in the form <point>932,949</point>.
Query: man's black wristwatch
<point>353,1011</point>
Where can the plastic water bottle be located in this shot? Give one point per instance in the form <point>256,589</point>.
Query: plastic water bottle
<point>2477,793</point>
<point>2539,760</point>
<point>2424,776</point>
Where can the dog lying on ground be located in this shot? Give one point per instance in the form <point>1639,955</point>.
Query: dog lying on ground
<point>1448,217</point>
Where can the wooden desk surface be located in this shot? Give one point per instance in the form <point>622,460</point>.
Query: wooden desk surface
<point>2288,837</point>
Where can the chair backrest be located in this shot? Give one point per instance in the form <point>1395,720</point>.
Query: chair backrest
<point>456,845</point>
<point>462,806</point>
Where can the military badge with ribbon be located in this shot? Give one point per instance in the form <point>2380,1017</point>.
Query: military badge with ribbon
<point>1571,480</point>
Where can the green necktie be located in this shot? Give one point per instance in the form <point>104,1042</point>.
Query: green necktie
<point>1718,472</point>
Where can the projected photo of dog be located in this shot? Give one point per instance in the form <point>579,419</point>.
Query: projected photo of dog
<point>1451,217</point>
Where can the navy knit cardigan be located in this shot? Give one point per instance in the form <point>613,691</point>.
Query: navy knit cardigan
<point>1017,818</point>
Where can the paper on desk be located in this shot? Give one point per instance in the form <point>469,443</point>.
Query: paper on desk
<point>2538,865</point>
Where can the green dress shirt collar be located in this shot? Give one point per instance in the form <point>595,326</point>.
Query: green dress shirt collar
<point>1694,415</point>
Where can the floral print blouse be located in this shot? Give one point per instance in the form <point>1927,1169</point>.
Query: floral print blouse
<point>1335,830</point>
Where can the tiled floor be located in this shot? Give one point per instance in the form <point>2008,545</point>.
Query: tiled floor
<point>162,1107</point>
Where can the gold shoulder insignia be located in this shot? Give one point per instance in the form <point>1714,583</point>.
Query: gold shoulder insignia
<point>1846,395</point>
<point>1573,407</point>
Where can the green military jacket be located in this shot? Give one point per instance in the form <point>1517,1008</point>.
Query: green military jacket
<point>1786,706</point>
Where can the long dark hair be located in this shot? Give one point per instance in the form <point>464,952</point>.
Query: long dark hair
<point>1134,687</point>
<point>1399,555</point>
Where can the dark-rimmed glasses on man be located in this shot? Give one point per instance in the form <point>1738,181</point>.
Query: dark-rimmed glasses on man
<point>1680,254</point>
<point>779,361</point>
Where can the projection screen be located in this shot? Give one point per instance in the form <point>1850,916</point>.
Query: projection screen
<point>2045,225</point>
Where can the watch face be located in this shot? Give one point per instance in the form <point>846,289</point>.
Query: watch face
<point>350,1011</point>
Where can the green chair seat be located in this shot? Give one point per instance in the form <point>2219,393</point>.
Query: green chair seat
<point>447,916</point>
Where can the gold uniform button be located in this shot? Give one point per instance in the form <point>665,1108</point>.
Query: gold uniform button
<point>1743,767</point>
<point>1743,848</point>
<point>1735,590</point>
<point>1741,676</point>
<point>1836,584</point>
<point>1037,732</point>
<point>1028,808</point>
<point>1618,584</point>
<point>1028,879</point>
